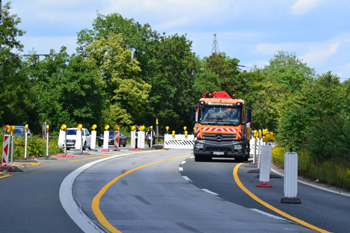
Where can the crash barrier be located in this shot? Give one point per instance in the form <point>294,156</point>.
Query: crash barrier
<point>178,141</point>
<point>290,178</point>
<point>265,166</point>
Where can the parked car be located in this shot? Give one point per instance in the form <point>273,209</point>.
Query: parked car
<point>19,130</point>
<point>122,139</point>
<point>71,138</point>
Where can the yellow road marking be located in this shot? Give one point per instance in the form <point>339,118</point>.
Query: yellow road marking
<point>301,222</point>
<point>96,201</point>
<point>5,176</point>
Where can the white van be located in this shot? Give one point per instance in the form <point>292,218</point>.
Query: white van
<point>72,137</point>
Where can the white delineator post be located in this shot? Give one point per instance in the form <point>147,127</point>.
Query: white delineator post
<point>116,140</point>
<point>141,139</point>
<point>254,159</point>
<point>265,166</point>
<point>25,144</point>
<point>93,140</point>
<point>47,143</point>
<point>105,140</point>
<point>13,138</point>
<point>290,178</point>
<point>259,152</point>
<point>78,137</point>
<point>6,149</point>
<point>133,137</point>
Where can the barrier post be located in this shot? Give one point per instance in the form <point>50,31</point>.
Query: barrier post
<point>93,137</point>
<point>5,149</point>
<point>26,142</point>
<point>64,130</point>
<point>265,168</point>
<point>157,128</point>
<point>290,178</point>
<point>13,137</point>
<point>141,139</point>
<point>116,139</point>
<point>47,140</point>
<point>105,139</point>
<point>132,142</point>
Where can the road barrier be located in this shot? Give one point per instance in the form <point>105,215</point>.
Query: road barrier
<point>6,149</point>
<point>116,140</point>
<point>178,141</point>
<point>265,166</point>
<point>290,178</point>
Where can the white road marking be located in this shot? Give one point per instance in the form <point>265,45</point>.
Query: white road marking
<point>208,191</point>
<point>186,178</point>
<point>271,215</point>
<point>181,169</point>
<point>183,162</point>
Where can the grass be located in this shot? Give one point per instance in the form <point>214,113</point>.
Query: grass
<point>332,172</point>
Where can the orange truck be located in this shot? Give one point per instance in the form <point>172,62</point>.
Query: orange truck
<point>222,127</point>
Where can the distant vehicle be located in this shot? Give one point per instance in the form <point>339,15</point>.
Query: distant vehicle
<point>71,138</point>
<point>19,131</point>
<point>122,139</point>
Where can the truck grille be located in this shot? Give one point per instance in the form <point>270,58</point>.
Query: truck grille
<point>225,137</point>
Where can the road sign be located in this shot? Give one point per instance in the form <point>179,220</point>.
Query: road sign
<point>116,139</point>
<point>6,149</point>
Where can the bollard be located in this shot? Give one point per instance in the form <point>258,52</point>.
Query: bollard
<point>265,166</point>
<point>5,149</point>
<point>290,179</point>
<point>133,139</point>
<point>93,137</point>
<point>26,142</point>
<point>47,140</point>
<point>116,141</point>
<point>105,141</point>
<point>141,139</point>
<point>78,140</point>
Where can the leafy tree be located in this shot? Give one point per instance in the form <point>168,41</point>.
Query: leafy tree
<point>288,71</point>
<point>69,89</point>
<point>128,93</point>
<point>15,95</point>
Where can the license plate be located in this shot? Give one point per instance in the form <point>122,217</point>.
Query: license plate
<point>218,153</point>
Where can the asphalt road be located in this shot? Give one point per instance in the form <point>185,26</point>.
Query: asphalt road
<point>162,191</point>
<point>145,192</point>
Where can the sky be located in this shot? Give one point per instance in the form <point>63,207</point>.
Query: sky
<point>253,31</point>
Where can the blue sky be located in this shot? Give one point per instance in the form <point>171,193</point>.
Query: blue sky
<point>317,31</point>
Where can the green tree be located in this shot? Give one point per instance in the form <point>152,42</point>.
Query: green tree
<point>127,92</point>
<point>288,71</point>
<point>15,95</point>
<point>69,89</point>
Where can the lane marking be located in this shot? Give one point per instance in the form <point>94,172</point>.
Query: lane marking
<point>4,176</point>
<point>68,200</point>
<point>181,169</point>
<point>96,201</point>
<point>186,178</point>
<point>208,191</point>
<point>183,162</point>
<point>271,215</point>
<point>301,222</point>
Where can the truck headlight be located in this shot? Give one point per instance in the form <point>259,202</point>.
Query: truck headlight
<point>237,147</point>
<point>199,144</point>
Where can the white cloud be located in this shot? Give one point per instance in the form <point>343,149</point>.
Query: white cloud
<point>302,6</point>
<point>317,55</point>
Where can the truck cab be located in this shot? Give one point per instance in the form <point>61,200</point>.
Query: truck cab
<point>222,127</point>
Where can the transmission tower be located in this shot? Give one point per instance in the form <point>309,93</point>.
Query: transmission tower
<point>215,48</point>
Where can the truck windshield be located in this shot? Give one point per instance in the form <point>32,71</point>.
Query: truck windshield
<point>220,114</point>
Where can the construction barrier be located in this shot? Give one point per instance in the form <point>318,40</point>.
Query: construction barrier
<point>105,141</point>
<point>290,178</point>
<point>116,140</point>
<point>93,140</point>
<point>141,139</point>
<point>178,141</point>
<point>265,166</point>
<point>6,149</point>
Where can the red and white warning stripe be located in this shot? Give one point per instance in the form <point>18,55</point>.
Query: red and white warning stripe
<point>6,149</point>
<point>220,129</point>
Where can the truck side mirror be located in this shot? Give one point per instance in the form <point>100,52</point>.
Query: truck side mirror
<point>249,115</point>
<point>192,116</point>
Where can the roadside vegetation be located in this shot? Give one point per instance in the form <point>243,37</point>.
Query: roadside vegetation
<point>128,74</point>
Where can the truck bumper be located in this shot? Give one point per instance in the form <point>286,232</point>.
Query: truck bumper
<point>227,149</point>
